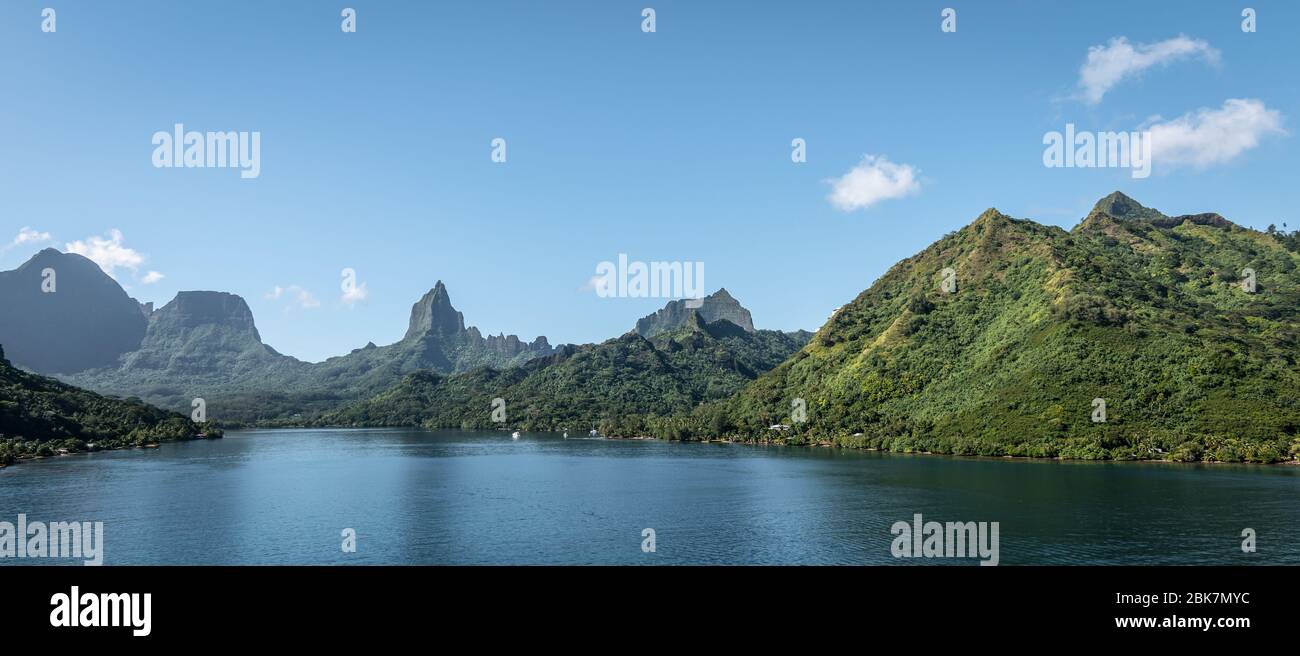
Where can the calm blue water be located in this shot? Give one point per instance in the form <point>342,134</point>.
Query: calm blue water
<point>414,496</point>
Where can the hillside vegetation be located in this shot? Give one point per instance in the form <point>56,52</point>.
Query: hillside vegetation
<point>40,416</point>
<point>1142,310</point>
<point>580,388</point>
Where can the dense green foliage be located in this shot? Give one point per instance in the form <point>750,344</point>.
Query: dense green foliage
<point>40,416</point>
<point>1144,311</point>
<point>580,387</point>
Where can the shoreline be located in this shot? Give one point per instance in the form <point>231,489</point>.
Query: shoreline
<point>126,447</point>
<point>778,443</point>
<point>825,444</point>
<point>830,445</point>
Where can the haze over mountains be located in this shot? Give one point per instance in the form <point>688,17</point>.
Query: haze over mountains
<point>87,321</point>
<point>205,344</point>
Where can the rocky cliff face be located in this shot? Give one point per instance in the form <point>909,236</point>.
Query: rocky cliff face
<point>202,334</point>
<point>434,313</point>
<point>716,306</point>
<point>190,310</point>
<point>86,321</point>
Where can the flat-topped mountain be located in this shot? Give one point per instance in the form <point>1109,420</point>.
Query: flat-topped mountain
<point>199,336</point>
<point>714,307</point>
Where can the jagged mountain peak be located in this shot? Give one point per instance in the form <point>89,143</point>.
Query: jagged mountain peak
<point>1118,207</point>
<point>434,313</point>
<point>1121,206</point>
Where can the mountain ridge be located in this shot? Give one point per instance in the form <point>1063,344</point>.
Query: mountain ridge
<point>621,380</point>
<point>1146,312</point>
<point>206,345</point>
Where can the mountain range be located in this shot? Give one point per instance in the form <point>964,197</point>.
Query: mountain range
<point>1133,335</point>
<point>687,361</point>
<point>205,344</point>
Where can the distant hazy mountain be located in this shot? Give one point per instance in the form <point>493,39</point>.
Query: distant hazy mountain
<point>716,306</point>
<point>206,345</point>
<point>202,334</point>
<point>1139,311</point>
<point>86,321</point>
<point>40,415</point>
<point>627,379</point>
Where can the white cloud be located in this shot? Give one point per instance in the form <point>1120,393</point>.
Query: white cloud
<point>108,252</point>
<point>29,236</point>
<point>874,179</point>
<point>305,299</point>
<point>298,297</point>
<point>1211,136</point>
<point>151,278</point>
<point>26,235</point>
<point>1108,65</point>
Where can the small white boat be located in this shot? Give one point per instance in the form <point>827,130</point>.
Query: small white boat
<point>514,435</point>
<point>566,435</point>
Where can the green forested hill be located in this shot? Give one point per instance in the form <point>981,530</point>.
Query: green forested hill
<point>579,388</point>
<point>1142,310</point>
<point>39,416</point>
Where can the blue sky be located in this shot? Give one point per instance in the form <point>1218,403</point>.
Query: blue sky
<point>672,146</point>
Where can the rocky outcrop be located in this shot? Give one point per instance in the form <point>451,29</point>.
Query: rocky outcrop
<point>716,306</point>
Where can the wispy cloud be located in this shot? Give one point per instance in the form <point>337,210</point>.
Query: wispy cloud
<point>296,296</point>
<point>1209,136</point>
<point>1108,65</point>
<point>874,179</point>
<point>111,254</point>
<point>26,235</point>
